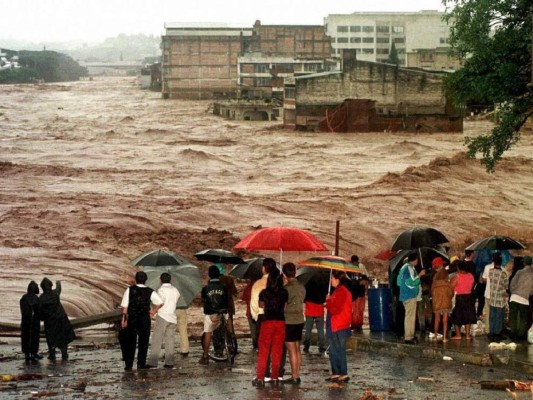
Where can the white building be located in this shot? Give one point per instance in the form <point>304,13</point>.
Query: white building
<point>372,34</point>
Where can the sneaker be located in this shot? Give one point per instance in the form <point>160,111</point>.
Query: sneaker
<point>431,335</point>
<point>204,360</point>
<point>410,341</point>
<point>306,349</point>
<point>267,379</point>
<point>168,366</point>
<point>184,355</point>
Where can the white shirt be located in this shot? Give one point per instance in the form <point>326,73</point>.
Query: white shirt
<point>154,298</point>
<point>485,275</point>
<point>170,296</point>
<point>258,286</point>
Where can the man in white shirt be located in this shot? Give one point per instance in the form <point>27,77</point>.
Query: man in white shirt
<point>165,323</point>
<point>136,313</point>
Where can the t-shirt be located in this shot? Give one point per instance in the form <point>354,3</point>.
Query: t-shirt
<point>485,275</point>
<point>294,313</point>
<point>170,296</point>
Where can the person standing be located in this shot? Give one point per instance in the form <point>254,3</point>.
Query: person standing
<point>442,295</point>
<point>165,324</point>
<point>136,321</point>
<point>215,301</point>
<point>255,309</point>
<point>485,280</point>
<point>521,290</point>
<point>315,297</point>
<point>498,279</point>
<point>247,297</point>
<point>218,337</point>
<point>57,327</point>
<point>273,299</point>
<point>182,325</point>
<point>464,312</point>
<point>339,307</point>
<point>294,321</point>
<point>359,284</point>
<point>30,324</point>
<point>409,284</point>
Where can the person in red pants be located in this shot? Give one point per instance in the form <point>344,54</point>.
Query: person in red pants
<point>273,300</point>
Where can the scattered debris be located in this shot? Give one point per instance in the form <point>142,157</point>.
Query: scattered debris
<point>426,379</point>
<point>447,358</point>
<point>502,345</point>
<point>508,384</point>
<point>369,395</point>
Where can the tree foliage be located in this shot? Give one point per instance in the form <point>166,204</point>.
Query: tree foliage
<point>48,66</point>
<point>493,38</point>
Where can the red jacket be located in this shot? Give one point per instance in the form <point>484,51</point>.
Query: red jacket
<point>339,306</point>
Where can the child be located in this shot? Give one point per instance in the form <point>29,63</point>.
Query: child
<point>442,294</point>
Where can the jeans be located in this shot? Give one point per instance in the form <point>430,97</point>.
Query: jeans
<point>496,320</point>
<point>309,321</point>
<point>423,309</point>
<point>181,315</point>
<point>337,352</point>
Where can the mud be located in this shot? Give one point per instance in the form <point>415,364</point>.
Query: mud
<point>94,173</point>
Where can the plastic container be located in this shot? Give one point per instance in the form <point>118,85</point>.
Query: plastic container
<point>380,309</point>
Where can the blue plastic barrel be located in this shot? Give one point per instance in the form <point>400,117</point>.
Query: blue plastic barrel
<point>380,309</point>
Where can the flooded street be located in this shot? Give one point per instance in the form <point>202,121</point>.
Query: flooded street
<point>96,372</point>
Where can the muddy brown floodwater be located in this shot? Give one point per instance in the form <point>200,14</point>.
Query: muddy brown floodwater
<point>95,172</point>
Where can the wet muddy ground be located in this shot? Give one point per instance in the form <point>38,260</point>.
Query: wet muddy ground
<point>95,371</point>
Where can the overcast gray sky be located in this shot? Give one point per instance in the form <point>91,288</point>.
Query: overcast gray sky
<point>94,20</point>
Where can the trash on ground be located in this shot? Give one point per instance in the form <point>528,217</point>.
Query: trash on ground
<point>447,358</point>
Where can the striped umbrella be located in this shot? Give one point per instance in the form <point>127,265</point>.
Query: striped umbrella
<point>331,263</point>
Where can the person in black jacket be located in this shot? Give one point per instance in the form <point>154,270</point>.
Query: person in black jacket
<point>30,324</point>
<point>57,327</point>
<point>215,300</point>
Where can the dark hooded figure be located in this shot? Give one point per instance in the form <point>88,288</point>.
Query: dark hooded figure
<point>30,323</point>
<point>57,327</point>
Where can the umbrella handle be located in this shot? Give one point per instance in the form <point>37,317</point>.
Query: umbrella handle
<point>330,276</point>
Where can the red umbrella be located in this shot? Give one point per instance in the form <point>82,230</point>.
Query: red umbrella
<point>385,255</point>
<point>281,238</point>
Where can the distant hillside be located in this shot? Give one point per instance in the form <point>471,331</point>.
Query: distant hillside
<point>48,66</point>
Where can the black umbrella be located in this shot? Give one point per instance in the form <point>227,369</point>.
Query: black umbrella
<point>249,269</point>
<point>218,256</point>
<point>420,236</point>
<point>425,254</point>
<point>156,258</point>
<point>496,243</point>
<point>316,282</point>
<point>186,278</point>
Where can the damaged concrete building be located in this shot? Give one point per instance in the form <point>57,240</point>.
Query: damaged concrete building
<point>206,61</point>
<point>367,96</point>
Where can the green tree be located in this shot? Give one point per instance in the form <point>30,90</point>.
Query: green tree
<point>493,38</point>
<point>393,55</point>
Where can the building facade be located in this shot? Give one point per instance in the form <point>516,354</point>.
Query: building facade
<point>372,34</point>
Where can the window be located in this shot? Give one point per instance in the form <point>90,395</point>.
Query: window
<point>368,51</point>
<point>368,29</point>
<point>382,51</point>
<point>261,68</point>
<point>355,28</point>
<point>382,29</point>
<point>342,40</point>
<point>382,40</point>
<point>355,40</point>
<point>399,40</point>
<point>444,40</point>
<point>262,82</point>
<point>398,29</point>
<point>342,28</point>
<point>368,40</point>
<point>312,67</point>
<point>290,92</point>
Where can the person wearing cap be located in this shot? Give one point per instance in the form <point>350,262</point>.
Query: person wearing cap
<point>442,295</point>
<point>521,289</point>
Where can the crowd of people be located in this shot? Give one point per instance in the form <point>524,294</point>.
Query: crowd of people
<point>279,307</point>
<point>452,293</point>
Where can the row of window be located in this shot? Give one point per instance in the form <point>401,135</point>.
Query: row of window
<point>371,51</point>
<point>370,28</point>
<point>265,68</point>
<point>369,40</point>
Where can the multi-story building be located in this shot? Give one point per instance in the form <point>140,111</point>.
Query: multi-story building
<point>372,35</point>
<point>204,60</point>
